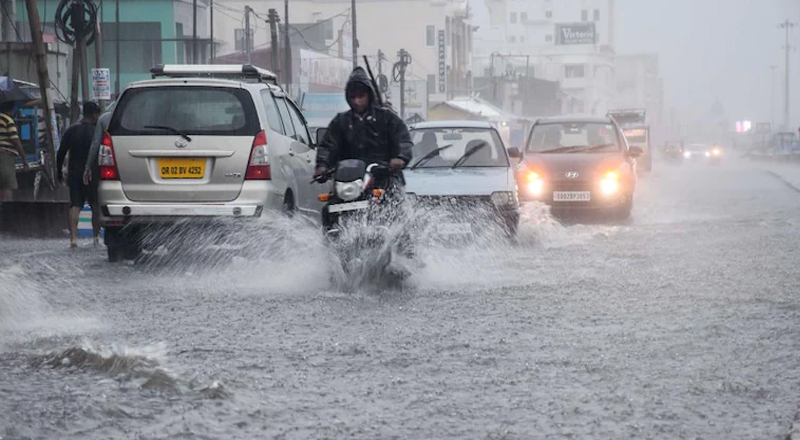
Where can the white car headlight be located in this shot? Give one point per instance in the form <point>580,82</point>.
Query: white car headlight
<point>687,154</point>
<point>504,199</point>
<point>348,191</point>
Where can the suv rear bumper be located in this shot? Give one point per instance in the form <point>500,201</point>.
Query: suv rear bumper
<point>117,210</point>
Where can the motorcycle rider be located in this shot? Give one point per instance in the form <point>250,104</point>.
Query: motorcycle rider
<point>371,132</point>
<point>368,131</point>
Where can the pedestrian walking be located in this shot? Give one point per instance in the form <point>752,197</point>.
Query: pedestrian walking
<point>77,141</point>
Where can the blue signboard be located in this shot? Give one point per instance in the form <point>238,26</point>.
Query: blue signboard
<point>323,105</point>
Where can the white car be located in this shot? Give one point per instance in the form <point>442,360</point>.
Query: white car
<point>464,165</point>
<point>200,142</point>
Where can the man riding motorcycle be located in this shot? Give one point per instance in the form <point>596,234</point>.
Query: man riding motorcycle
<point>370,132</point>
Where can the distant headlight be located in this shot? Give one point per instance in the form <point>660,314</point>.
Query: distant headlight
<point>687,154</point>
<point>348,191</point>
<point>504,199</point>
<point>708,154</point>
<point>610,183</point>
<point>716,152</point>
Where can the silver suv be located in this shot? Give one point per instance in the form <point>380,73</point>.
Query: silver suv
<point>201,141</point>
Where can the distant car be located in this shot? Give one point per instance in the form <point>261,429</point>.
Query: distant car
<point>201,142</point>
<point>464,165</point>
<point>673,151</point>
<point>577,163</point>
<point>702,153</point>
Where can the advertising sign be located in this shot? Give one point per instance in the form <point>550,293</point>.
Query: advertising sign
<point>324,70</point>
<point>576,33</point>
<point>442,54</point>
<point>323,105</point>
<point>101,84</point>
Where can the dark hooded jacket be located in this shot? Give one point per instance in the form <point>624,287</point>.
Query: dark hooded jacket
<point>379,136</point>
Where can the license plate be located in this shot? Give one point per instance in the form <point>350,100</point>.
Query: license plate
<point>342,207</point>
<point>572,196</point>
<point>455,228</point>
<point>182,168</point>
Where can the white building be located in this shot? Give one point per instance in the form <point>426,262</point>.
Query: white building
<point>569,41</point>
<point>436,33</point>
<point>639,84</point>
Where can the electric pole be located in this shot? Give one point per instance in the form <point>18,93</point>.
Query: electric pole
<point>355,33</point>
<point>400,75</point>
<point>273,34</point>
<point>772,96</point>
<point>247,33</point>
<point>194,32</point>
<point>212,49</point>
<point>287,49</point>
<point>786,25</point>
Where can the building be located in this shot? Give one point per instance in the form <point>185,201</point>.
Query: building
<point>436,33</point>
<point>150,32</point>
<point>567,41</point>
<point>639,85</point>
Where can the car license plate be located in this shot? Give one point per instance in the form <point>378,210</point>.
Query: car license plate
<point>455,228</point>
<point>572,196</point>
<point>342,207</point>
<point>182,168</point>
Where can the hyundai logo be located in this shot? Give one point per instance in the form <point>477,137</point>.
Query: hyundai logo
<point>571,175</point>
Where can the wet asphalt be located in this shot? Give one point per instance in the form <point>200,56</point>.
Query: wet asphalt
<point>682,324</point>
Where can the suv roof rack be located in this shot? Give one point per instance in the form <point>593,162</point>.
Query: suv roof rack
<point>229,71</point>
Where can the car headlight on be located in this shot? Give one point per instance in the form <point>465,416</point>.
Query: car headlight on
<point>534,183</point>
<point>708,154</point>
<point>504,199</point>
<point>610,183</point>
<point>348,191</point>
<point>716,152</point>
<point>687,154</point>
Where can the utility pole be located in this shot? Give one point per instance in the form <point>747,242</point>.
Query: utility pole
<point>355,33</point>
<point>44,81</point>
<point>772,96</point>
<point>116,49</point>
<point>247,33</point>
<point>786,25</point>
<point>273,34</point>
<point>212,49</point>
<point>400,75</point>
<point>287,49</point>
<point>194,32</point>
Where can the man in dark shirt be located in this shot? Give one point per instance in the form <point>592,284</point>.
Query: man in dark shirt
<point>77,141</point>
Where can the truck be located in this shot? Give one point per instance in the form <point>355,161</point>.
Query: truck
<point>636,129</point>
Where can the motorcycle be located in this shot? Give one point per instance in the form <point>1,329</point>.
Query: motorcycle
<point>360,218</point>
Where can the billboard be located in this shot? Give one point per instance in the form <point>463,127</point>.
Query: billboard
<point>576,33</point>
<point>442,60</point>
<point>323,105</point>
<point>323,70</point>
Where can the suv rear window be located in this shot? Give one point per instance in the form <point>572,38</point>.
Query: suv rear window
<point>191,110</point>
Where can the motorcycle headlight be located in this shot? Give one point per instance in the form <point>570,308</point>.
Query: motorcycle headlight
<point>503,199</point>
<point>348,191</point>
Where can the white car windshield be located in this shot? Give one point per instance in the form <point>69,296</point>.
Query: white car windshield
<point>458,141</point>
<point>573,137</point>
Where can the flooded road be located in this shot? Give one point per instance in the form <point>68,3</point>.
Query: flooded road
<point>684,323</point>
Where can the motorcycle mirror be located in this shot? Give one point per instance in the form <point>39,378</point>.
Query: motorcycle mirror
<point>321,134</point>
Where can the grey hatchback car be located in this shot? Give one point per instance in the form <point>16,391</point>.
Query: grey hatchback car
<point>201,142</point>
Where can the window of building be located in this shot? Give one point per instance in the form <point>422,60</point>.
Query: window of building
<point>574,71</point>
<point>512,39</point>
<point>548,14</point>
<point>523,17</point>
<point>584,15</point>
<point>430,35</point>
<point>522,38</point>
<point>513,18</point>
<point>548,38</point>
<point>596,15</point>
<point>140,43</point>
<point>327,28</point>
<point>431,84</point>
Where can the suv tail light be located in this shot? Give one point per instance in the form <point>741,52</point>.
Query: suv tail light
<point>258,167</point>
<point>106,159</point>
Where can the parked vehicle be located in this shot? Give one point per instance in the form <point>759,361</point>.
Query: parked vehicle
<point>575,163</point>
<point>464,166</point>
<point>201,142</point>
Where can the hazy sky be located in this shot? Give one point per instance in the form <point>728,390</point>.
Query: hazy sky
<point>710,48</point>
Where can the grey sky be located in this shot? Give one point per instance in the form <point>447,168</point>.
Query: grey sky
<point>710,48</point>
